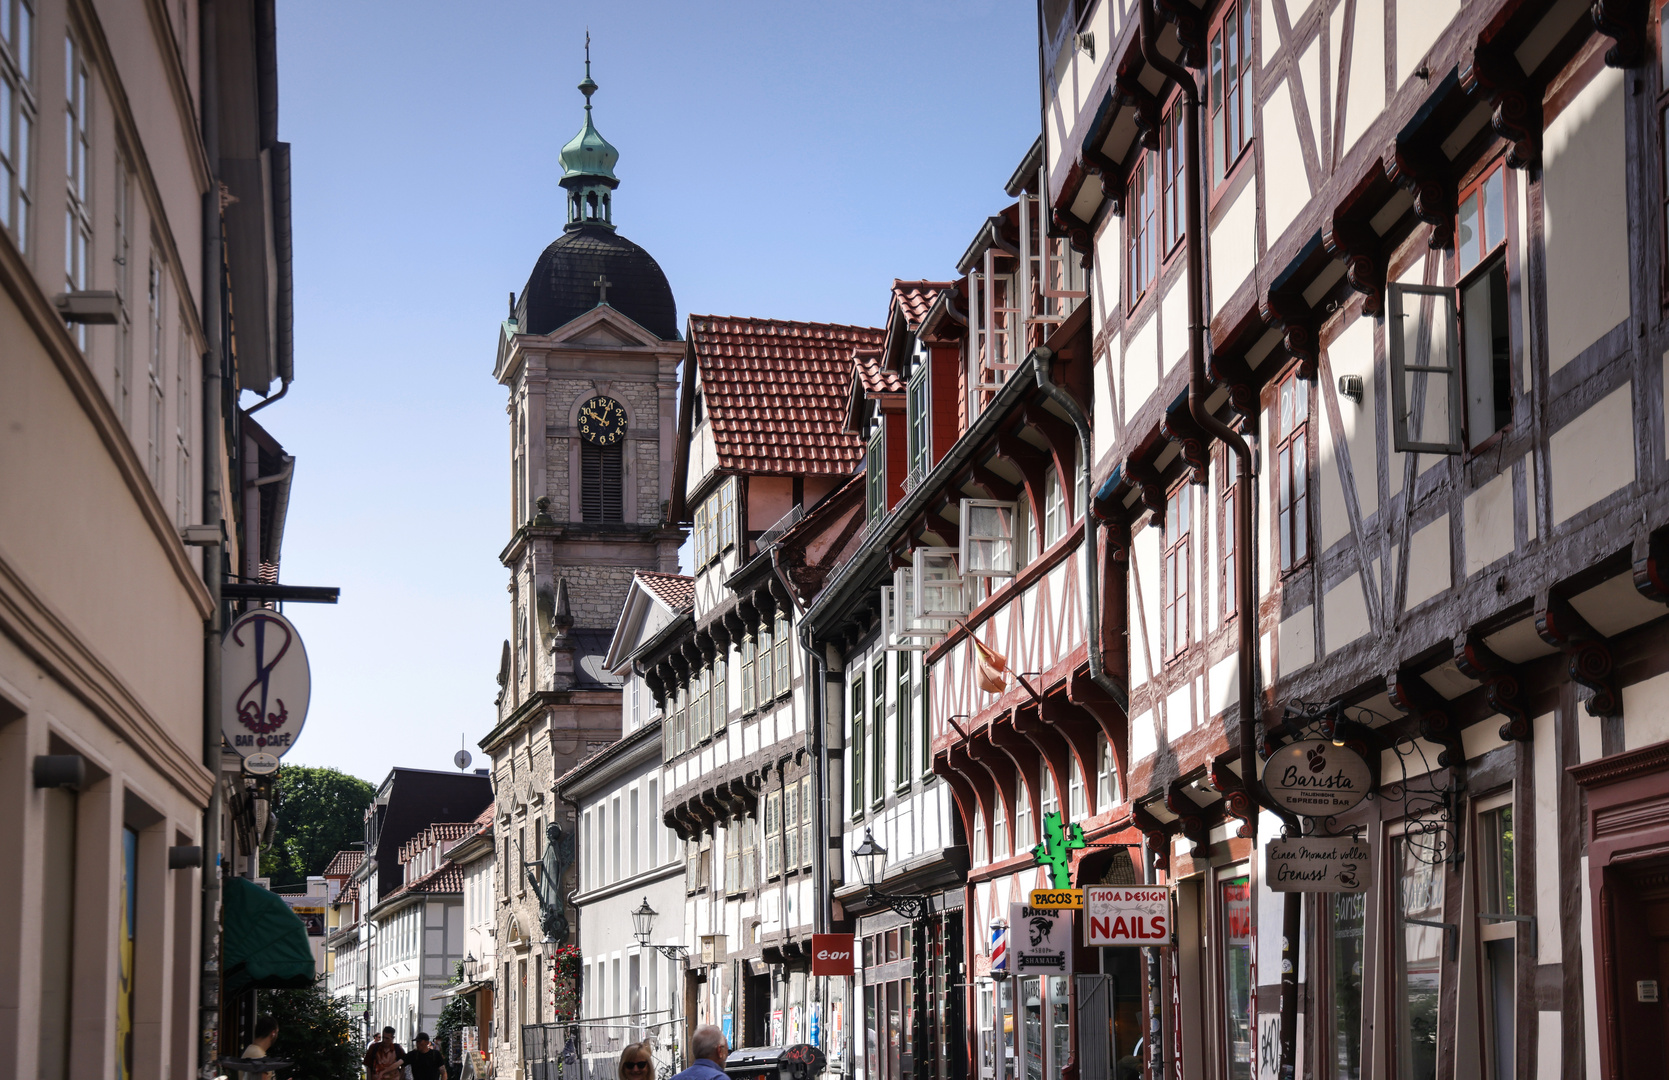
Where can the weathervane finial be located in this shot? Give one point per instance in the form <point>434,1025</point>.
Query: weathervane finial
<point>587,86</point>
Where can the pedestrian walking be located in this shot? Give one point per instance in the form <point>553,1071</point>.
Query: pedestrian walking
<point>710,1050</point>
<point>425,1062</point>
<point>636,1062</point>
<point>266,1032</point>
<point>386,1059</point>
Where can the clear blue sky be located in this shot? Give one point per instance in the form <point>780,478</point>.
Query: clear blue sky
<point>778,159</point>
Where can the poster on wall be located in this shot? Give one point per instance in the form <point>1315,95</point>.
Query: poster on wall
<point>1040,940</point>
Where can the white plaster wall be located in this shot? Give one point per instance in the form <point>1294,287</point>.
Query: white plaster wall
<point>1141,366</point>
<point>1283,164</point>
<point>1428,563</point>
<point>1367,70</point>
<point>1487,523</point>
<point>1223,683</point>
<point>1646,712</point>
<point>1586,215</point>
<point>1593,455</point>
<point>1335,519</point>
<point>1144,556</point>
<point>1174,316</point>
<point>1234,245</point>
<point>1297,640</point>
<point>1548,884</point>
<point>1351,353</point>
<point>1419,23</point>
<point>1344,613</point>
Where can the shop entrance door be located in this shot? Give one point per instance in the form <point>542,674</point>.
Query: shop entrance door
<point>1636,898</point>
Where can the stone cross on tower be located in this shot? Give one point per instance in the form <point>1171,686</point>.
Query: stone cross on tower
<point>602,284</point>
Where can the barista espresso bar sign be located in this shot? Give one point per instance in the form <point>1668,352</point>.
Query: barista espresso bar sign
<point>1314,778</point>
<point>1335,864</point>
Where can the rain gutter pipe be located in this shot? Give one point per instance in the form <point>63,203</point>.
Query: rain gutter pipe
<point>1244,592</point>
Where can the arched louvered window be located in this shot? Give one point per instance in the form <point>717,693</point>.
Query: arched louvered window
<point>600,482</point>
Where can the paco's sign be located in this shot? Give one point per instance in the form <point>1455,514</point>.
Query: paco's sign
<point>1128,915</point>
<point>1058,899</point>
<point>265,684</point>
<point>1314,778</point>
<point>831,954</point>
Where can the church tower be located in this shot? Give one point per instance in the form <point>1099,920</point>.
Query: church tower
<point>588,356</point>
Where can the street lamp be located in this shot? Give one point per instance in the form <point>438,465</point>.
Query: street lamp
<point>872,860</point>
<point>643,924</point>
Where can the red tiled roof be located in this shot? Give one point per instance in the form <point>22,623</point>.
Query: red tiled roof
<point>674,590</point>
<point>440,832</point>
<point>875,377</point>
<point>914,298</point>
<point>776,392</point>
<point>446,878</point>
<point>344,863</point>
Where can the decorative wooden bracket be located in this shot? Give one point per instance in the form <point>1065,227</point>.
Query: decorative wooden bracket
<point>1237,797</point>
<point>1232,373</point>
<point>1651,566</point>
<point>1063,445</point>
<point>1109,498</point>
<point>1149,116</point>
<point>1189,30</point>
<point>1414,696</point>
<point>994,486</point>
<point>936,523</point>
<point>1354,243</point>
<point>1157,836</point>
<point>1118,537</point>
<point>1030,461</point>
<point>1285,308</point>
<point>1179,426</point>
<point>1491,72</point>
<point>1560,625</point>
<point>1076,229</point>
<point>1146,479</point>
<point>1109,174</point>
<point>1191,821</point>
<point>1623,21</point>
<point>1428,181</point>
<point>1503,682</point>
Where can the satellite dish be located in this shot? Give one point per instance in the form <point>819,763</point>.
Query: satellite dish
<point>462,759</point>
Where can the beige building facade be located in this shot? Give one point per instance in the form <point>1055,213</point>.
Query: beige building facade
<point>117,455</point>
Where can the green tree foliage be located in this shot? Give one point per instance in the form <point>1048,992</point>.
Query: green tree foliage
<point>320,812</point>
<point>458,1015</point>
<point>315,1031</point>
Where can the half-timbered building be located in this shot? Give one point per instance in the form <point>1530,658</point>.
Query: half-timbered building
<point>760,441</point>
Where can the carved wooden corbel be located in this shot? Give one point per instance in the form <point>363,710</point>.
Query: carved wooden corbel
<point>1063,447</point>
<point>1109,174</point>
<point>1178,425</point>
<point>1493,73</point>
<point>1589,652</point>
<point>1149,115</point>
<point>1354,243</point>
<point>1427,179</point>
<point>1147,481</point>
<point>1503,682</point>
<point>1190,818</point>
<point>1075,229</point>
<point>995,486</point>
<point>1154,831</point>
<point>1651,566</point>
<point>1231,373</point>
<point>1623,21</point>
<point>1237,798</point>
<point>1190,29</point>
<point>1286,310</point>
<point>1030,461</point>
<point>1414,696</point>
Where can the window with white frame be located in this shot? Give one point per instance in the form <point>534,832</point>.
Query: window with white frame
<point>1025,829</point>
<point>182,428</point>
<point>773,834</point>
<point>987,539</point>
<point>1051,797</point>
<point>1498,931</point>
<point>875,468</point>
<point>859,702</point>
<point>727,514</point>
<point>918,409</point>
<point>1054,508</point>
<point>718,706</point>
<point>999,830</point>
<point>1292,471</point>
<point>791,825</point>
<point>938,589</point>
<point>806,818</point>
<point>17,116</point>
<point>156,437</point>
<point>1106,775</point>
<point>878,731</point>
<point>763,686</point>
<point>1416,945</point>
<point>981,854</point>
<point>747,673</point>
<point>122,381</point>
<point>1077,798</point>
<point>732,857</point>
<point>1178,570</point>
<point>784,645</point>
<point>78,216</point>
<point>903,724</point>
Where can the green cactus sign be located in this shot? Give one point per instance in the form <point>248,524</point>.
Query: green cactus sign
<point>1059,838</point>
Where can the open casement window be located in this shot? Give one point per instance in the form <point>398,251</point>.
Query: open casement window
<point>995,324</point>
<point>1425,369</point>
<point>899,631</point>
<point>987,540</point>
<point>1416,941</point>
<point>938,590</point>
<point>1481,269</point>
<point>1497,931</point>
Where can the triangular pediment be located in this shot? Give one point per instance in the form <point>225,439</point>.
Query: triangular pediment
<point>603,325</point>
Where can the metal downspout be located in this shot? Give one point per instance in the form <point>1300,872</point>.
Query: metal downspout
<point>208,1004</point>
<point>1244,589</point>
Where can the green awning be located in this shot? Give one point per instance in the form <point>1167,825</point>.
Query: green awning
<point>266,946</point>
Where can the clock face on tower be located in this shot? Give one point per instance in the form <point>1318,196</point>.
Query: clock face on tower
<point>602,421</point>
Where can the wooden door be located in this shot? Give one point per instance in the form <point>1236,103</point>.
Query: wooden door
<point>1636,900</point>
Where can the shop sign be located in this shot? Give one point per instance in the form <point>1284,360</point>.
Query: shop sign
<point>1332,864</point>
<point>1314,778</point>
<point>1058,899</point>
<point>311,911</point>
<point>266,684</point>
<point>1127,915</point>
<point>260,763</point>
<point>1040,939</point>
<point>831,954</point>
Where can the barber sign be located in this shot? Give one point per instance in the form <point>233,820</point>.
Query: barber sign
<point>265,684</point>
<point>1128,915</point>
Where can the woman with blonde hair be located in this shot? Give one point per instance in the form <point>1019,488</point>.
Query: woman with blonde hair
<point>636,1063</point>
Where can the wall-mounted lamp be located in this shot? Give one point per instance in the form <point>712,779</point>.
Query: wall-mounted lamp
<point>1350,386</point>
<point>60,770</point>
<point>184,856</point>
<point>1086,43</point>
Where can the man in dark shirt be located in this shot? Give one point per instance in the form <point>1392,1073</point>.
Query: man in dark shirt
<point>426,1063</point>
<point>385,1059</point>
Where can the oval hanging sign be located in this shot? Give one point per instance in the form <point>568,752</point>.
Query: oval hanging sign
<point>266,684</point>
<point>1314,778</point>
